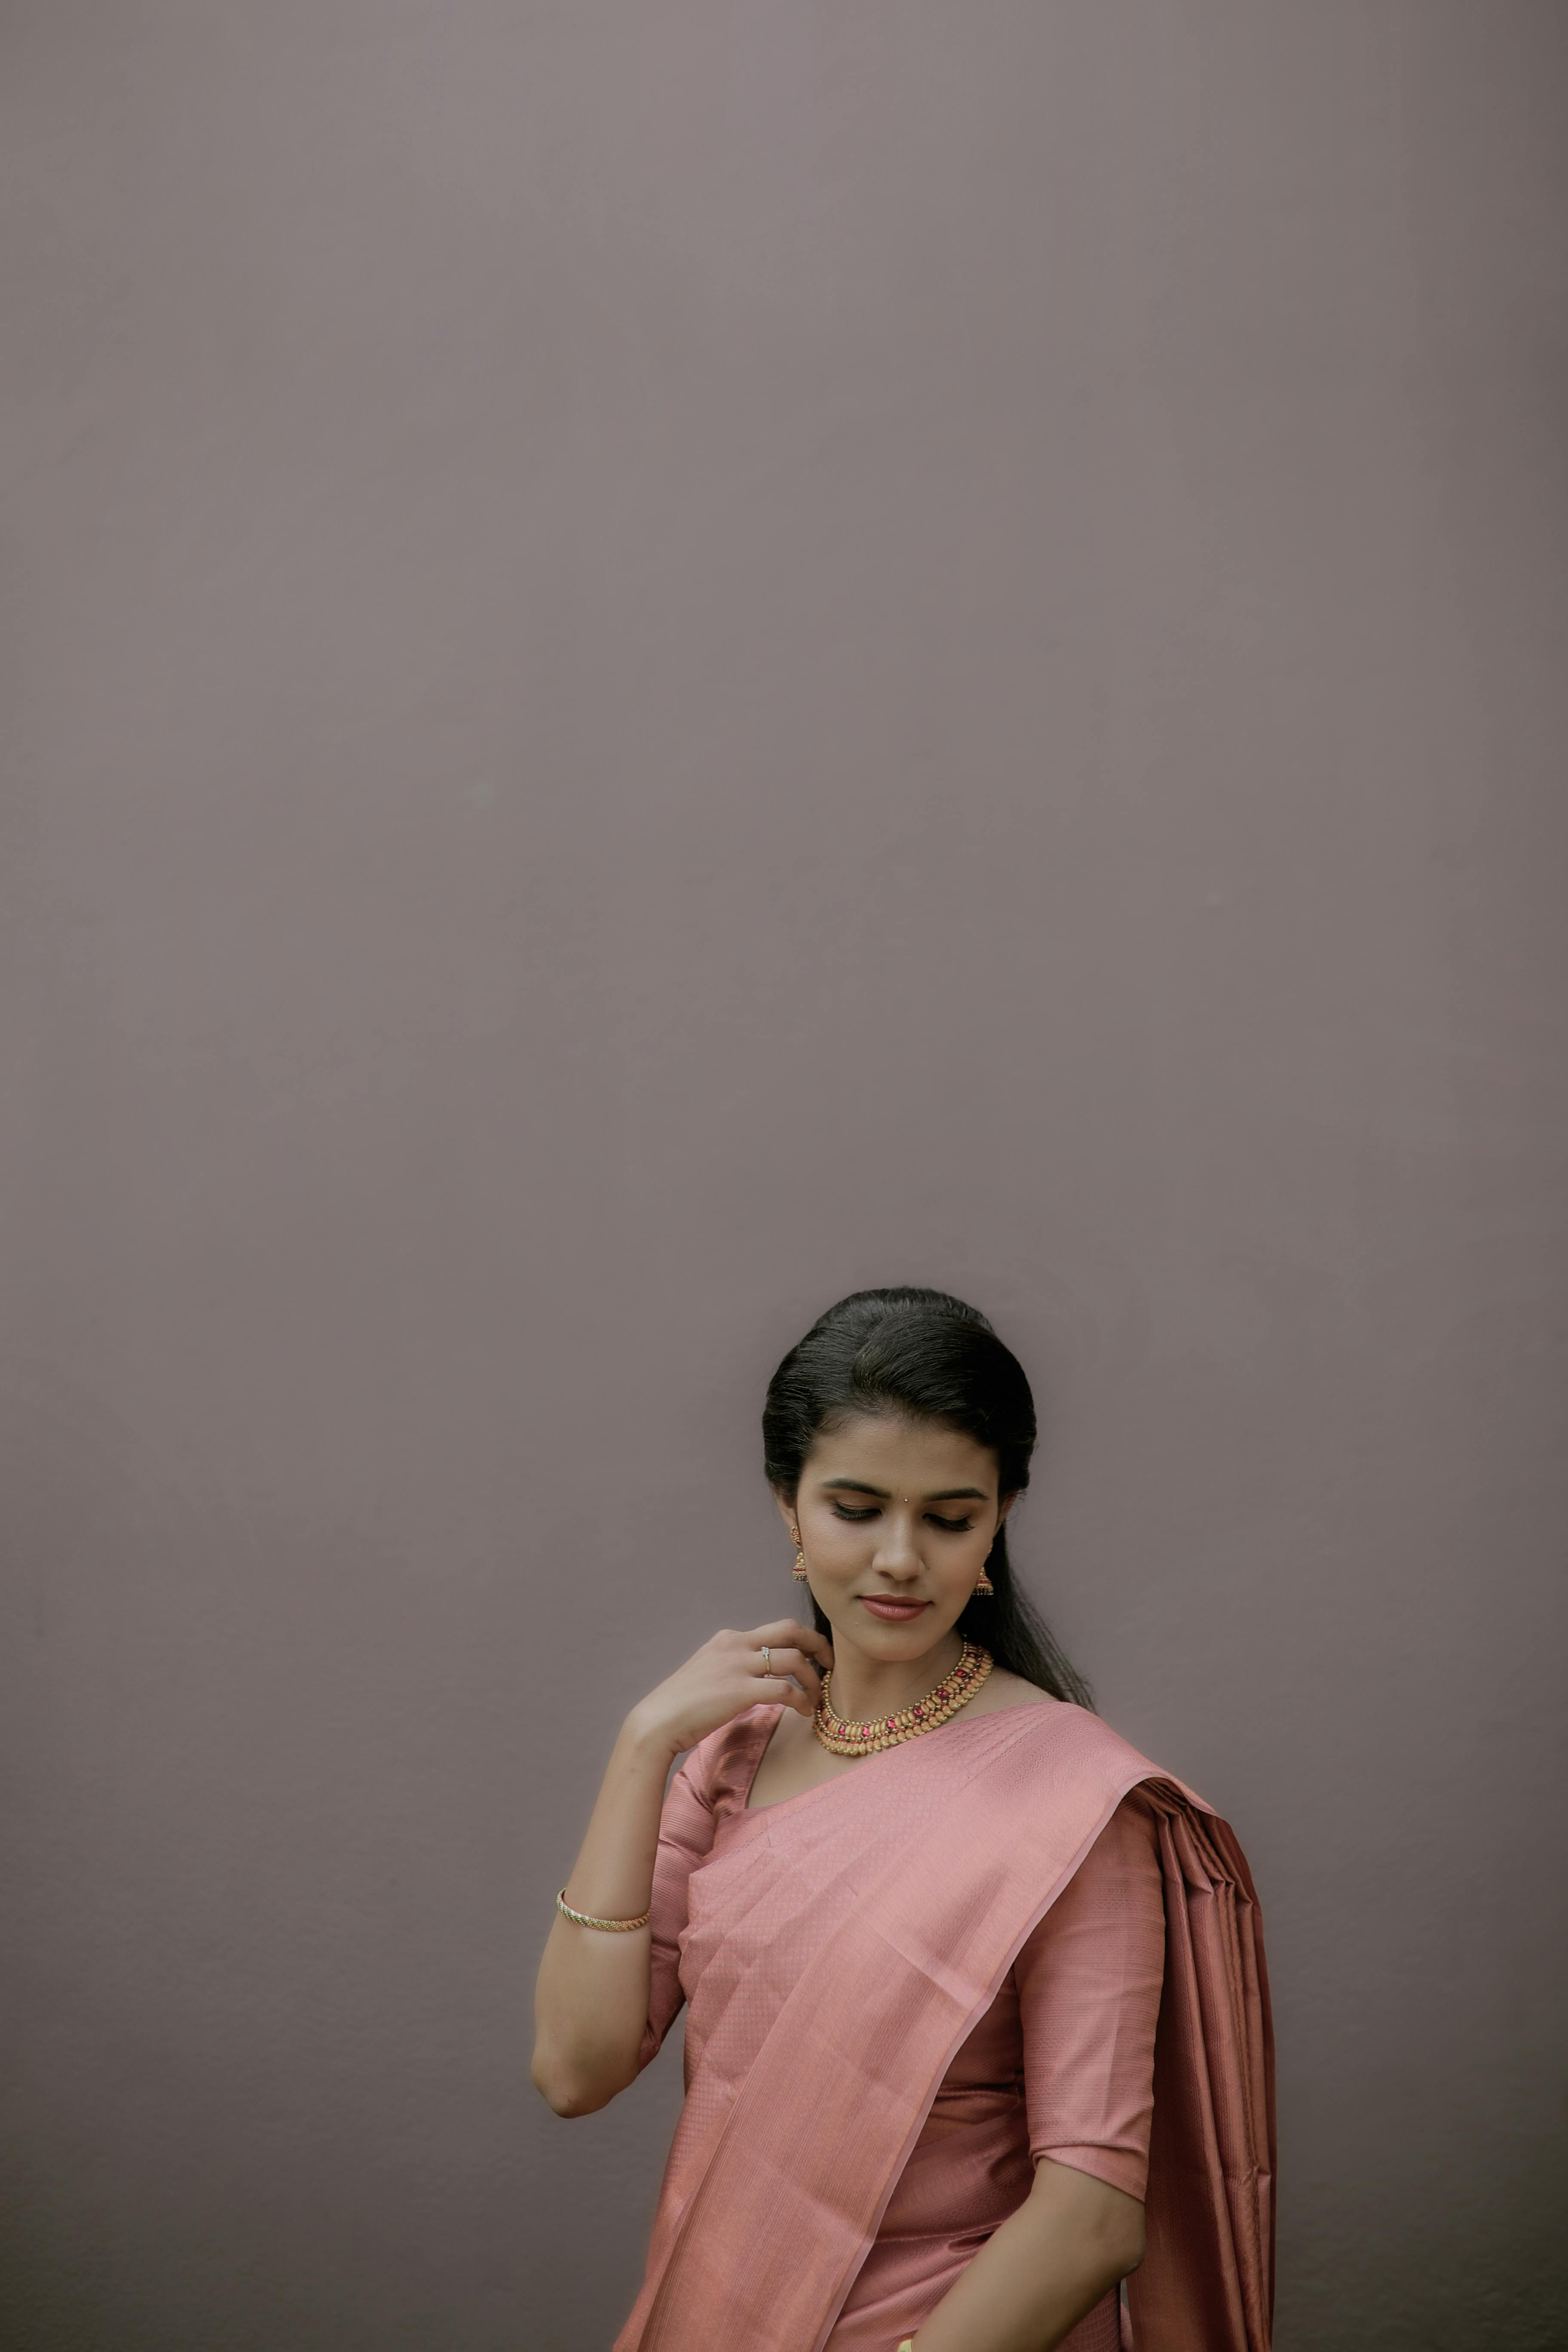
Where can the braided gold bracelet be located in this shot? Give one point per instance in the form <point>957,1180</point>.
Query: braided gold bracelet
<point>585,1920</point>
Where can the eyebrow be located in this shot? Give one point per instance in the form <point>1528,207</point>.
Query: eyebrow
<point>948,1494</point>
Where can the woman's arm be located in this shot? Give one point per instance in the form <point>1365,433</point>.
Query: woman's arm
<point>1088,1983</point>
<point>591,2000</point>
<point>1034,2279</point>
<point>591,2003</point>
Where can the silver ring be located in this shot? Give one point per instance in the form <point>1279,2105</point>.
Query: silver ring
<point>767,1661</point>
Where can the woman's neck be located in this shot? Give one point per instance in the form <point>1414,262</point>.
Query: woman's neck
<point>863,1688</point>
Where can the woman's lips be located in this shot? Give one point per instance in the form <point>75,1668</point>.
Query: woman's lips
<point>894,1613</point>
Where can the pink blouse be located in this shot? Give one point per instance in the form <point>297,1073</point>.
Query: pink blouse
<point>1060,2065</point>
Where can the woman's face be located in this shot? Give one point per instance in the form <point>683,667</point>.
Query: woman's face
<point>895,1519</point>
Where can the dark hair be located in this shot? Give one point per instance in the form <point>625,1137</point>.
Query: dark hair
<point>926,1357</point>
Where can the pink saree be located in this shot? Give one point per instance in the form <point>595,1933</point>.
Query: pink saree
<point>834,1971</point>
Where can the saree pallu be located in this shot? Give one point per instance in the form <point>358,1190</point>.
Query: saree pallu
<point>833,1973</point>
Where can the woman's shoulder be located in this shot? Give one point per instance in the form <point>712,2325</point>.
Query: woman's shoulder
<point>1058,1728</point>
<point>1065,1735</point>
<point>1003,1689</point>
<point>720,1767</point>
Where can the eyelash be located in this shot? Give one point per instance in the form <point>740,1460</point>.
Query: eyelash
<point>948,1527</point>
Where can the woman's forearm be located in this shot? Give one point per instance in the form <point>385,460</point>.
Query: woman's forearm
<point>590,2006</point>
<point>591,2002</point>
<point>1034,2279</point>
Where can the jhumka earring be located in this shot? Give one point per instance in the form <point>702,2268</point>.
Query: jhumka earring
<point>799,1556</point>
<point>985,1588</point>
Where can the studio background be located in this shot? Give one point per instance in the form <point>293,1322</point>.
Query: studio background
<point>661,661</point>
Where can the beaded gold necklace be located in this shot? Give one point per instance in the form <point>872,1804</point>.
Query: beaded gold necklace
<point>937,1708</point>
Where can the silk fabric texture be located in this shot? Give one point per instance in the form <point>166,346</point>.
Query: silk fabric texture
<point>842,1967</point>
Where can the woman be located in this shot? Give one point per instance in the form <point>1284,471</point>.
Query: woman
<point>978,2014</point>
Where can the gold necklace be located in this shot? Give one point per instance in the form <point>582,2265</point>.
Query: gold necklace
<point>937,1708</point>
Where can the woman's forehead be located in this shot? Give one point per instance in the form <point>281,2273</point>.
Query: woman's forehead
<point>881,1449</point>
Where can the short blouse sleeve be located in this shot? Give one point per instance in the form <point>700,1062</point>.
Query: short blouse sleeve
<point>711,1783</point>
<point>1089,1978</point>
<point>685,1835</point>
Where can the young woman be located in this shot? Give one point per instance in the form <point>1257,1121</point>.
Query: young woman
<point>978,2017</point>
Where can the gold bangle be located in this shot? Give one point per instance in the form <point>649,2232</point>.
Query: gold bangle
<point>614,1927</point>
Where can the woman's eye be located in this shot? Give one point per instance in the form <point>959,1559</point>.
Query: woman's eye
<point>948,1527</point>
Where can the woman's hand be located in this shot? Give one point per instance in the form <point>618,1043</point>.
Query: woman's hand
<point>593,1996</point>
<point>728,1675</point>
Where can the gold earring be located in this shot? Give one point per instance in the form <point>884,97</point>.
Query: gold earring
<point>984,1589</point>
<point>799,1556</point>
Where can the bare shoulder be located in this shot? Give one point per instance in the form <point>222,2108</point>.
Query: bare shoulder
<point>1001,1690</point>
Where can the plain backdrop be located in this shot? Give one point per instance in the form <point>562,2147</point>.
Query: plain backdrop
<point>662,660</point>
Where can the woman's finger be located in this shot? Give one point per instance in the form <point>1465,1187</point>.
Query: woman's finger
<point>817,1644</point>
<point>773,1688</point>
<point>775,1662</point>
<point>790,1631</point>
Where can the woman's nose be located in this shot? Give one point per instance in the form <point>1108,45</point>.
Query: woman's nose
<point>896,1554</point>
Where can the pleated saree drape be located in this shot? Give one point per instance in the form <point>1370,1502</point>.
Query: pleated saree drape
<point>838,1967</point>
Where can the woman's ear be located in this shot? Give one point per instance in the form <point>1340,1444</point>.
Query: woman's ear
<point>787,1510</point>
<point>1006,1505</point>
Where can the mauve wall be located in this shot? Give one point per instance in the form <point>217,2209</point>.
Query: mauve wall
<point>664,659</point>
